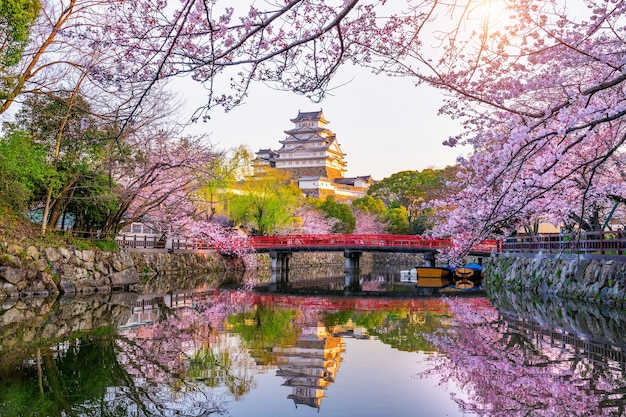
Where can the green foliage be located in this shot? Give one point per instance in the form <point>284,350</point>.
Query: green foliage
<point>67,159</point>
<point>413,190</point>
<point>106,245</point>
<point>16,19</point>
<point>67,383</point>
<point>370,205</point>
<point>226,170</point>
<point>80,244</point>
<point>265,203</point>
<point>23,170</point>
<point>398,220</point>
<point>341,212</point>
<point>93,203</point>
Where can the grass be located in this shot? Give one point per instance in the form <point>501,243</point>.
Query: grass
<point>19,230</point>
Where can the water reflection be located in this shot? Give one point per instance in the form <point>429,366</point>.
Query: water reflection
<point>337,280</point>
<point>210,352</point>
<point>535,357</point>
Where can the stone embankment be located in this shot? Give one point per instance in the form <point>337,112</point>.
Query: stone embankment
<point>34,271</point>
<point>37,271</point>
<point>596,279</point>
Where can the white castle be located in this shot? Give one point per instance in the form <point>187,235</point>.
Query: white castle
<point>313,157</point>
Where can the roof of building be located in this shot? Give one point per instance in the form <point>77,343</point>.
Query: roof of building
<point>312,177</point>
<point>352,180</point>
<point>266,152</point>
<point>313,137</point>
<point>313,115</point>
<point>307,129</point>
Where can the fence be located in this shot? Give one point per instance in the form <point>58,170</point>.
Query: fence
<point>140,242</point>
<point>605,243</point>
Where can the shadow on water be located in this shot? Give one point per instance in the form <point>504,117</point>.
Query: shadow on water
<point>335,280</point>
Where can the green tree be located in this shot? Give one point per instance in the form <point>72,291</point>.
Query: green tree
<point>24,172</point>
<point>93,202</point>
<point>76,151</point>
<point>225,171</point>
<point>413,190</point>
<point>16,20</point>
<point>346,221</point>
<point>264,203</point>
<point>370,205</point>
<point>398,219</point>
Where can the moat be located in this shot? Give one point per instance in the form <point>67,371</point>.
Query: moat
<point>184,347</point>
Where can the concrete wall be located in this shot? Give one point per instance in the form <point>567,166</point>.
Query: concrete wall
<point>596,279</point>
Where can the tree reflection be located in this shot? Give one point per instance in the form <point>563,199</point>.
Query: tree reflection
<point>264,328</point>
<point>179,365</point>
<point>509,371</point>
<point>56,381</point>
<point>194,357</point>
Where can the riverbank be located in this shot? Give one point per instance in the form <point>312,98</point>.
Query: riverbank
<point>38,271</point>
<point>598,279</point>
<point>28,270</point>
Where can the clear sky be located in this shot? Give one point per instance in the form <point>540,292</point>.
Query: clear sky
<point>384,125</point>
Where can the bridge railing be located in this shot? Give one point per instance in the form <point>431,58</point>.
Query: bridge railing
<point>605,243</point>
<point>309,241</point>
<point>361,240</point>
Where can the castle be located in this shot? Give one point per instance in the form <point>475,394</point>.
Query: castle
<point>313,157</point>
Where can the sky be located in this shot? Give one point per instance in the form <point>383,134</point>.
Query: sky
<point>384,125</point>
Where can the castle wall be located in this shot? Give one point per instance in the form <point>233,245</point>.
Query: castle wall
<point>299,172</point>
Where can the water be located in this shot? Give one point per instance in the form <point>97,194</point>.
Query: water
<point>201,351</point>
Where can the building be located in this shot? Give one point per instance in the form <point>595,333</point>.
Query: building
<point>310,366</point>
<point>312,155</point>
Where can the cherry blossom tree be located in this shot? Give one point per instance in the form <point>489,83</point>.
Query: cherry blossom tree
<point>541,97</point>
<point>538,85</point>
<point>310,221</point>
<point>369,223</point>
<point>162,188</point>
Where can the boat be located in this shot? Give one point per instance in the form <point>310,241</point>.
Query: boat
<point>468,276</point>
<point>433,276</point>
<point>408,275</point>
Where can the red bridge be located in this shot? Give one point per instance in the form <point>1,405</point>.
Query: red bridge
<point>316,243</point>
<point>363,242</point>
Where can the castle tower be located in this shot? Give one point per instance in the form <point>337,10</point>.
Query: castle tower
<point>311,149</point>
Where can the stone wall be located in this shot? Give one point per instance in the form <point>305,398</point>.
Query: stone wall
<point>46,271</point>
<point>580,277</point>
<point>36,271</point>
<point>309,259</point>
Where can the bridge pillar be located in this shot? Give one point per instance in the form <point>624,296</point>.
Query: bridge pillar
<point>352,270</point>
<point>429,258</point>
<point>280,267</point>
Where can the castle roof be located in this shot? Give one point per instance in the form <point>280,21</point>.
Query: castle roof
<point>353,180</point>
<point>310,116</point>
<point>307,129</point>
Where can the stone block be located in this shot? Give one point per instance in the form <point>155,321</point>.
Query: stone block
<point>41,265</point>
<point>32,252</point>
<point>66,286</point>
<point>13,249</point>
<point>12,275</point>
<point>53,254</point>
